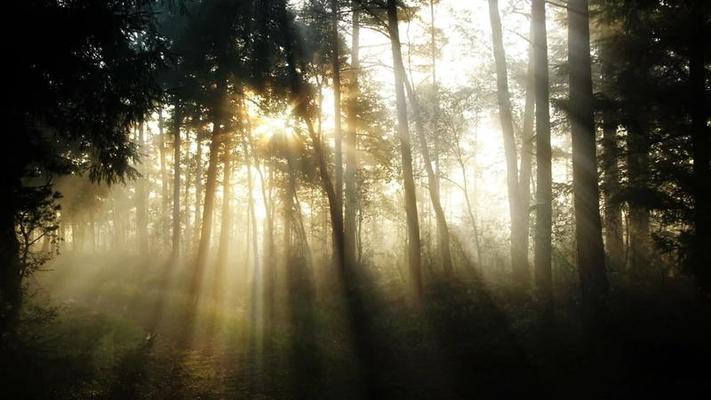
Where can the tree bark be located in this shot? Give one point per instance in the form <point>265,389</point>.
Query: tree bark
<point>519,257</point>
<point>176,183</point>
<point>413,228</point>
<point>588,230</point>
<point>527,150</point>
<point>336,65</point>
<point>165,198</point>
<point>638,148</point>
<point>208,208</point>
<point>544,193</point>
<point>198,187</point>
<point>351,198</point>
<point>226,223</point>
<point>611,186</point>
<point>187,183</point>
<point>141,223</point>
<point>432,184</point>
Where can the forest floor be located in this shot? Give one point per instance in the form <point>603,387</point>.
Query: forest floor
<point>122,332</point>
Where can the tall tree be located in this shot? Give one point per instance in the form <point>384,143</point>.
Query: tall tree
<point>197,210</point>
<point>141,220</point>
<point>218,134</point>
<point>164,195</point>
<point>176,182</point>
<point>519,255</point>
<point>544,193</point>
<point>614,243</point>
<point>226,230</point>
<point>413,229</point>
<point>588,230</point>
<point>432,183</point>
<point>351,191</point>
<point>54,128</point>
<point>431,161</point>
<point>338,134</point>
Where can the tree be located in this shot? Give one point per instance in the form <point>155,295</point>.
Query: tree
<point>519,257</point>
<point>107,49</point>
<point>351,143</point>
<point>432,182</point>
<point>176,182</point>
<point>413,229</point>
<point>336,66</point>
<point>588,229</point>
<point>544,193</point>
<point>141,220</point>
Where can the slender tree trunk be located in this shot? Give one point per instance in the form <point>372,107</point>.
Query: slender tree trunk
<point>141,223</point>
<point>198,187</point>
<point>165,198</point>
<point>527,149</point>
<point>701,251</point>
<point>208,209</point>
<point>519,257</point>
<point>226,230</point>
<point>336,65</point>
<point>404,133</point>
<point>187,240</point>
<point>638,148</point>
<point>257,284</point>
<point>544,193</point>
<point>176,183</point>
<point>470,208</point>
<point>268,248</point>
<point>252,215</point>
<point>588,230</point>
<point>611,186</point>
<point>351,200</point>
<point>432,184</point>
<point>434,181</point>
<point>226,223</point>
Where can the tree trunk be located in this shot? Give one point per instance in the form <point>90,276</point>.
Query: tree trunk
<point>198,187</point>
<point>187,229</point>
<point>588,230</point>
<point>404,133</point>
<point>223,250</point>
<point>519,257</point>
<point>268,248</point>
<point>165,198</point>
<point>527,149</point>
<point>141,223</point>
<point>433,181</point>
<point>544,193</point>
<point>176,183</point>
<point>638,148</point>
<point>257,283</point>
<point>611,186</point>
<point>351,203</point>
<point>208,208</point>
<point>226,230</point>
<point>336,65</point>
<point>432,184</point>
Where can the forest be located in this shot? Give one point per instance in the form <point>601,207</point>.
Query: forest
<point>355,199</point>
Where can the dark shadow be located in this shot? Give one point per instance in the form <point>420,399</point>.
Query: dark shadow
<point>305,367</point>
